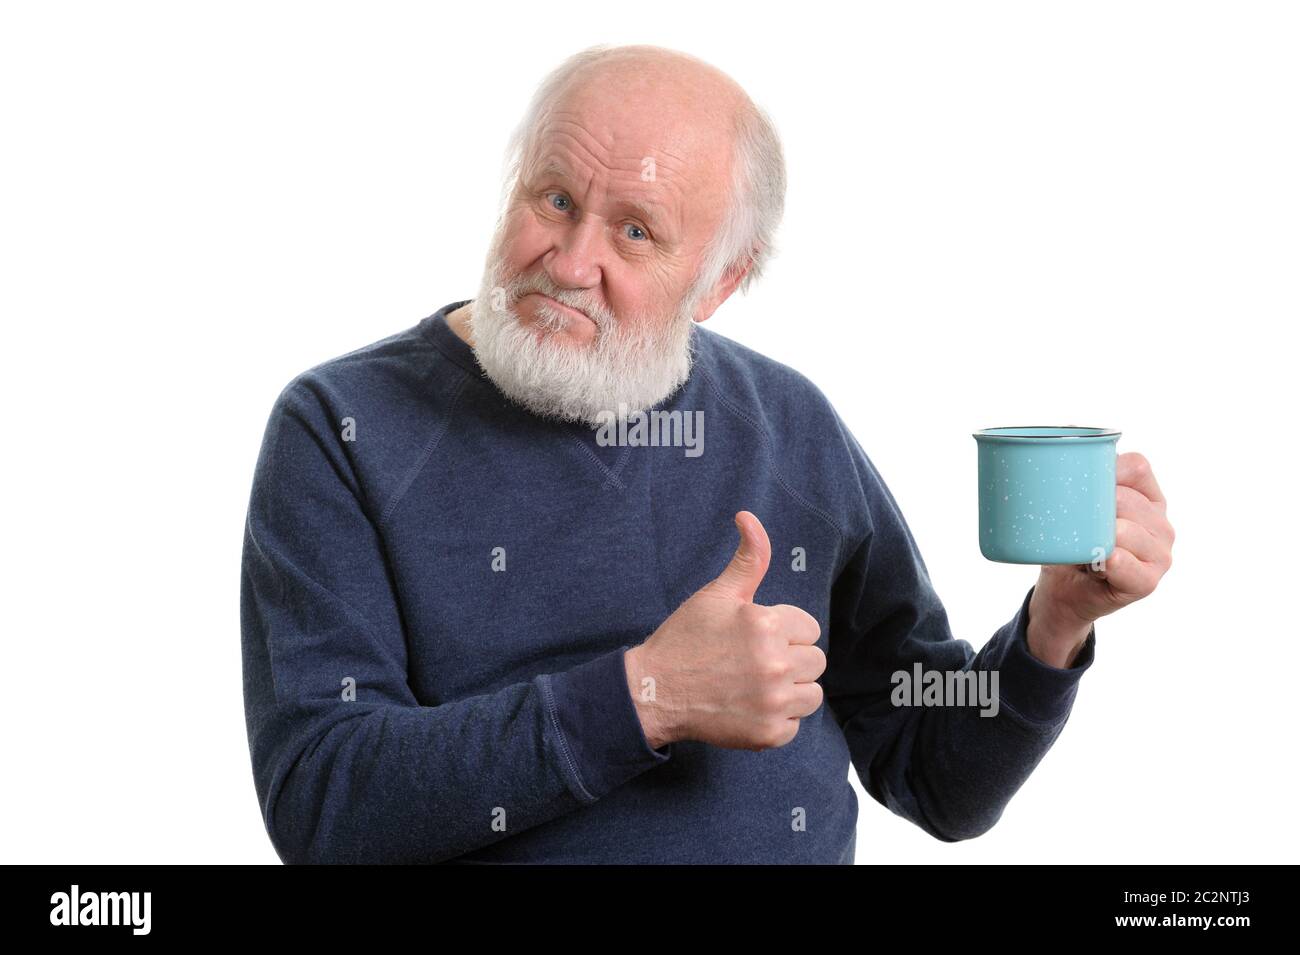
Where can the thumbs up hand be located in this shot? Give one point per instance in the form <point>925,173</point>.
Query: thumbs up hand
<point>726,670</point>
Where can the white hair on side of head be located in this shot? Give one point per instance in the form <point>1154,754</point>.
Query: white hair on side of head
<point>748,228</point>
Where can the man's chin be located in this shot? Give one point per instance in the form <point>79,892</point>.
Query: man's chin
<point>555,322</point>
<point>536,363</point>
<point>563,408</point>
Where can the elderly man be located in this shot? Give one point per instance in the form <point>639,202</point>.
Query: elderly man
<point>489,617</point>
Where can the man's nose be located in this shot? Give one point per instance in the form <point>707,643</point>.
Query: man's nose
<point>576,258</point>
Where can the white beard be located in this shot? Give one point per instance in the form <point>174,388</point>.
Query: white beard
<point>631,365</point>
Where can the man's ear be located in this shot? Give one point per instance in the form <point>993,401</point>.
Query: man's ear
<point>722,291</point>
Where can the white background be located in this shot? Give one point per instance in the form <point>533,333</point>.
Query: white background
<point>998,213</point>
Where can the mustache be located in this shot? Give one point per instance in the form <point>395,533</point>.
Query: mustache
<point>520,286</point>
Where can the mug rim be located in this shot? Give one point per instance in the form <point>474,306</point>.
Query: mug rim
<point>1090,432</point>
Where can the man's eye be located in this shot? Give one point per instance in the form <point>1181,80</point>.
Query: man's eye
<point>563,198</point>
<point>640,233</point>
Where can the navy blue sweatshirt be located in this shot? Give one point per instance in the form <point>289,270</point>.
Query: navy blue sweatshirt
<point>438,588</point>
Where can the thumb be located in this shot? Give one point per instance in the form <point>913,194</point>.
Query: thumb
<point>741,577</point>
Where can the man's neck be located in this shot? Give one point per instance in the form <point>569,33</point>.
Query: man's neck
<point>458,322</point>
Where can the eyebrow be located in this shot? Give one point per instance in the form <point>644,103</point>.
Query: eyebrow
<point>654,212</point>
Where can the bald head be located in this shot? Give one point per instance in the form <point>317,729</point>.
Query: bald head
<point>689,98</point>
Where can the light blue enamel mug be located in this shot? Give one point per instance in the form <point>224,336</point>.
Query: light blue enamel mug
<point>1047,494</point>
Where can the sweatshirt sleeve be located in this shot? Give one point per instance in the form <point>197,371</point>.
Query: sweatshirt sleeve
<point>948,769</point>
<point>347,764</point>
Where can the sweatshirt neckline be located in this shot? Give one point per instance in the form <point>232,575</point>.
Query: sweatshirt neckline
<point>442,336</point>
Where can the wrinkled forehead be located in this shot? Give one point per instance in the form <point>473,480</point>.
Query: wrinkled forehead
<point>660,151</point>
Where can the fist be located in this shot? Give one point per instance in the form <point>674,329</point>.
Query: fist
<point>726,670</point>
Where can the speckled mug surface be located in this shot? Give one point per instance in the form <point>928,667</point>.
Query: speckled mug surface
<point>1047,494</point>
